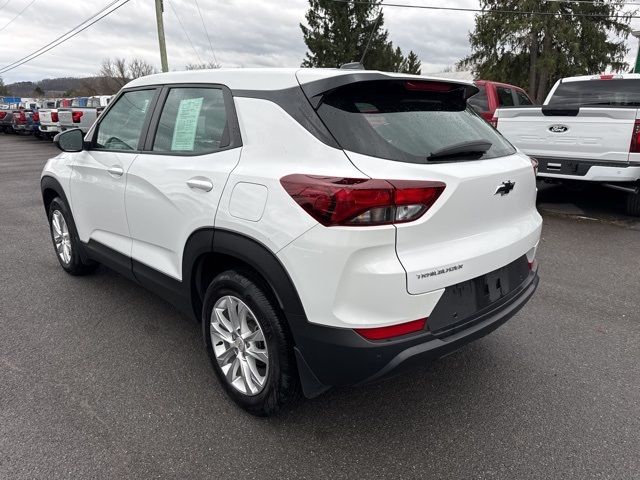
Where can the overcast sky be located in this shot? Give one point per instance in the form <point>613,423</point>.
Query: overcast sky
<point>246,33</point>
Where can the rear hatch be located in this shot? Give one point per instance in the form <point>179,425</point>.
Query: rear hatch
<point>404,129</point>
<point>591,119</point>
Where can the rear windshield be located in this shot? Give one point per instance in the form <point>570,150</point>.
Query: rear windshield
<point>391,120</point>
<point>616,92</point>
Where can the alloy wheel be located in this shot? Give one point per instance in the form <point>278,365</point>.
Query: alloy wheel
<point>61,236</point>
<point>239,345</point>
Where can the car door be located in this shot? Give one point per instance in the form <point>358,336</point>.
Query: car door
<point>99,173</point>
<point>174,187</point>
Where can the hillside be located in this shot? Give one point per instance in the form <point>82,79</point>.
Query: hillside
<point>53,87</point>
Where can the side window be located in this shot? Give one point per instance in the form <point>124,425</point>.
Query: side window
<point>193,120</point>
<point>121,127</point>
<point>505,97</point>
<point>479,102</point>
<point>522,98</point>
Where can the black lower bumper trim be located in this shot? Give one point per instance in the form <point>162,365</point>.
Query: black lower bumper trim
<point>340,357</point>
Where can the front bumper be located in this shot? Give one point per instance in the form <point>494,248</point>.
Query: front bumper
<point>340,357</point>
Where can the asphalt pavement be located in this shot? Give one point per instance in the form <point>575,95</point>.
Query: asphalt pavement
<point>101,379</point>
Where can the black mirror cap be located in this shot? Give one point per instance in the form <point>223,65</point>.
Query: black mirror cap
<point>70,140</point>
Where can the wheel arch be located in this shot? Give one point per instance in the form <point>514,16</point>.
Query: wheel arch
<point>51,188</point>
<point>229,250</point>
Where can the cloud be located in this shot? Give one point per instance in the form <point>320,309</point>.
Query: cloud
<point>248,33</point>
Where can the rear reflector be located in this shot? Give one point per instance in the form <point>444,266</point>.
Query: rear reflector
<point>336,201</point>
<point>384,333</point>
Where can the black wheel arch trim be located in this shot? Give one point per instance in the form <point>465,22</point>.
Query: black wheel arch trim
<point>50,183</point>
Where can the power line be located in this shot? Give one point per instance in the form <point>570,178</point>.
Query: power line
<point>63,35</point>
<point>185,31</point>
<point>19,13</point>
<point>207,33</point>
<point>479,10</point>
<point>4,4</point>
<point>69,35</point>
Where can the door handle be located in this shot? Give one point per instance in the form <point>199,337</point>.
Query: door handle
<point>200,183</point>
<point>115,170</point>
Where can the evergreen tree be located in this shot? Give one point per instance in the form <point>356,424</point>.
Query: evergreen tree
<point>4,91</point>
<point>548,41</point>
<point>338,32</point>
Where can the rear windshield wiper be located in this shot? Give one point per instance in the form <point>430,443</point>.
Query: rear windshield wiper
<point>472,148</point>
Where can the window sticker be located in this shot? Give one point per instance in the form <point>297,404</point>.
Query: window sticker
<point>184,132</point>
<point>145,106</point>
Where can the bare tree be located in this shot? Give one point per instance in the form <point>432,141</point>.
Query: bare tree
<point>117,72</point>
<point>202,66</point>
<point>139,68</point>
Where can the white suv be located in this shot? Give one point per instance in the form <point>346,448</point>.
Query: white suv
<point>326,226</point>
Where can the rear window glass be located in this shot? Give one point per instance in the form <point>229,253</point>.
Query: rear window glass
<point>384,119</point>
<point>522,98</point>
<point>616,92</point>
<point>505,97</point>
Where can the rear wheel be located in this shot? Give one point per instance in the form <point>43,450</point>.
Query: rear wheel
<point>633,204</point>
<point>248,343</point>
<point>65,240</point>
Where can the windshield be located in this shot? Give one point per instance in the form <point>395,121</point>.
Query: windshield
<point>403,121</point>
<point>616,92</point>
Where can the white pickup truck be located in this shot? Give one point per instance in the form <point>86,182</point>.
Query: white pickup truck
<point>82,117</point>
<point>587,130</point>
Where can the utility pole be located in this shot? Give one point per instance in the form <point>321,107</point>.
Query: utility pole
<point>163,46</point>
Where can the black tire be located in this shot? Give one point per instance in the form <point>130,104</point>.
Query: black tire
<point>75,265</point>
<point>282,384</point>
<point>633,204</point>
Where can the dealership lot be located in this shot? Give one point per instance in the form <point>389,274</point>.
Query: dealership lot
<point>99,378</point>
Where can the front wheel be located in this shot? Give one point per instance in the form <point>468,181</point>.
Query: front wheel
<point>65,239</point>
<point>248,343</point>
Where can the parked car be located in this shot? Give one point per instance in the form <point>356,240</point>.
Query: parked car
<point>82,117</point>
<point>327,227</point>
<point>20,121</point>
<point>493,95</point>
<point>588,130</point>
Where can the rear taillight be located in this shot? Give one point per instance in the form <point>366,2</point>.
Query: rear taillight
<point>2,115</point>
<point>54,117</point>
<point>354,202</point>
<point>35,116</point>
<point>534,164</point>
<point>385,333</point>
<point>76,116</point>
<point>635,138</point>
<point>494,122</point>
<point>20,117</point>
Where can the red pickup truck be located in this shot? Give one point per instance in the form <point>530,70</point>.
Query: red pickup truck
<point>494,95</point>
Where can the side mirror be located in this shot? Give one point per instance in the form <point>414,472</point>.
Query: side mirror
<point>70,140</point>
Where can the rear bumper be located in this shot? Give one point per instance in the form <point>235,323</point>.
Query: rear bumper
<point>50,128</point>
<point>587,170</point>
<point>340,357</point>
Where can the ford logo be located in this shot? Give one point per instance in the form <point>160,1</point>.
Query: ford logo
<point>558,128</point>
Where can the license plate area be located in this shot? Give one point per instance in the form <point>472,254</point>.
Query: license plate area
<point>461,302</point>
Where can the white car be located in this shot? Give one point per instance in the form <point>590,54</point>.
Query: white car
<point>326,226</point>
<point>587,131</point>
